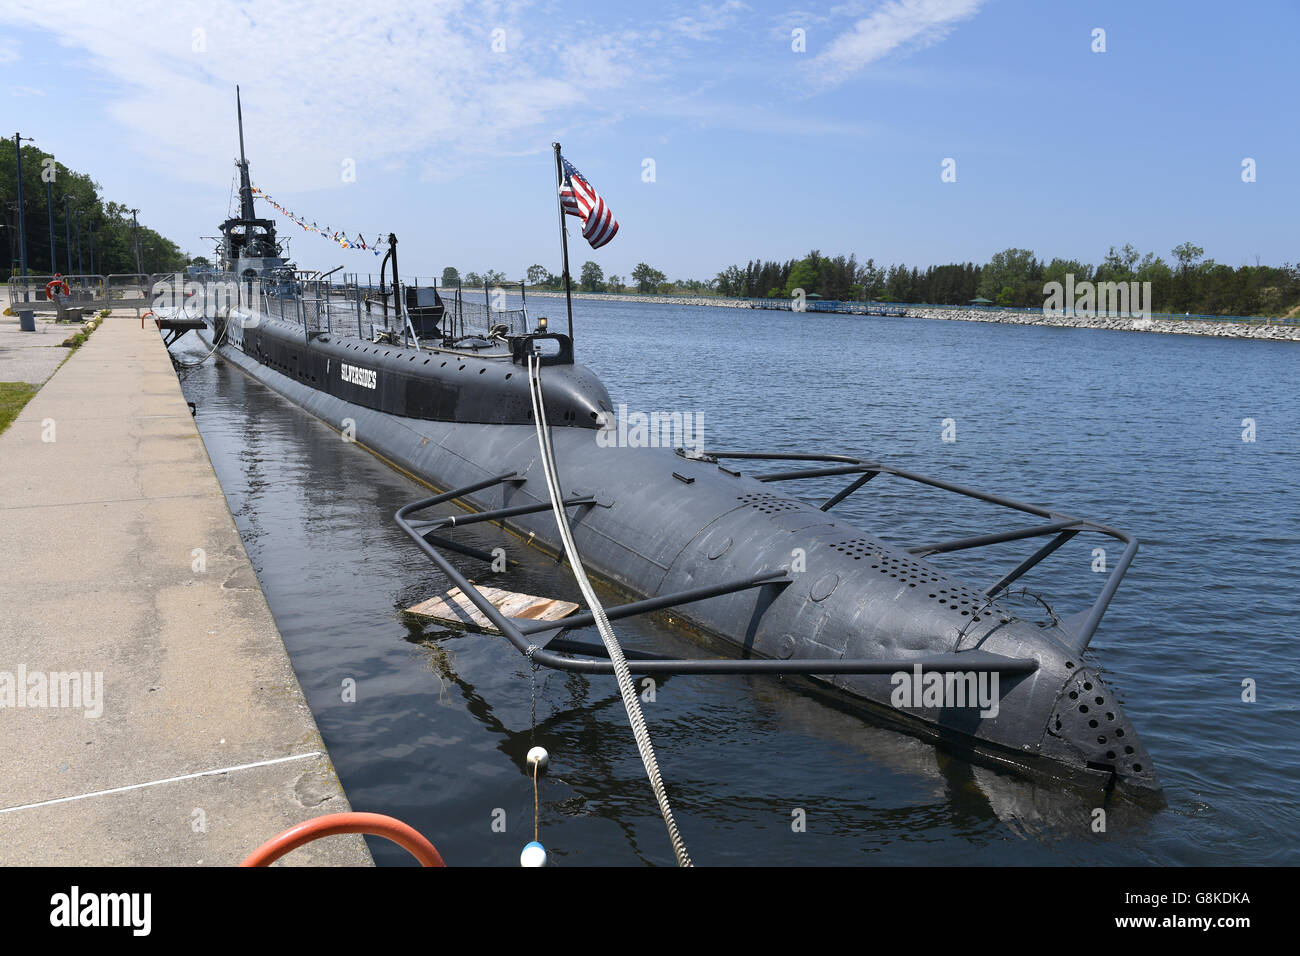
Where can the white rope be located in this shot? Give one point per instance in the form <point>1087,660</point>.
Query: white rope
<point>621,672</point>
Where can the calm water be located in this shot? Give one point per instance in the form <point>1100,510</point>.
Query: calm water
<point>1143,432</point>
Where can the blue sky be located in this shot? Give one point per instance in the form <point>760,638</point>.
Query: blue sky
<point>758,150</point>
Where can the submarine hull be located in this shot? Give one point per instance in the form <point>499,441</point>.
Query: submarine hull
<point>662,523</point>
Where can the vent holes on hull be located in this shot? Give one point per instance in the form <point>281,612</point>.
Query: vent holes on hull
<point>967,602</point>
<point>766,503</point>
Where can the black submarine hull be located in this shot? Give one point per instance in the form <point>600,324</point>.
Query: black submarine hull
<point>662,523</point>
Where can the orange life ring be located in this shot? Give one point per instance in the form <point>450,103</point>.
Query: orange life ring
<point>58,282</point>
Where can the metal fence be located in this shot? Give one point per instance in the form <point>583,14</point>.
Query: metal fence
<point>84,292</point>
<point>346,306</point>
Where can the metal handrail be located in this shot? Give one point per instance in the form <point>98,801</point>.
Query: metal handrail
<point>1083,625</point>
<point>518,633</point>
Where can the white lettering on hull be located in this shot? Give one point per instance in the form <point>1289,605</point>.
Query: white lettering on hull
<point>365,377</point>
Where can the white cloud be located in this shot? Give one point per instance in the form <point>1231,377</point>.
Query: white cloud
<point>710,19</point>
<point>894,25</point>
<point>414,86</point>
<point>401,82</point>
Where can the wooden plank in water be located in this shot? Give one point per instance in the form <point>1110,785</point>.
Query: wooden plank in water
<point>456,608</point>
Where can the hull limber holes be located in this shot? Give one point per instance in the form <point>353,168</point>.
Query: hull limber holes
<point>767,503</point>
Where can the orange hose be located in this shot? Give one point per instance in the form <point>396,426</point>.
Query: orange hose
<point>375,824</point>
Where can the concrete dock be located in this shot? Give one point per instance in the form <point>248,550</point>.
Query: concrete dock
<point>149,713</point>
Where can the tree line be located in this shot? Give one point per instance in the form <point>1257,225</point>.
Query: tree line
<point>103,227</point>
<point>1015,278</point>
<point>591,278</point>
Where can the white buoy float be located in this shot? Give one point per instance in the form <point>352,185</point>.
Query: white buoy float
<point>534,854</point>
<point>539,757</point>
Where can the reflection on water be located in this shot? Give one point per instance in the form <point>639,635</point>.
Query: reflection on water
<point>1102,424</point>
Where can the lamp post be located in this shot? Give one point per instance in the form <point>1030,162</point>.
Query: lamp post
<point>135,241</point>
<point>22,219</point>
<point>67,230</point>
<point>90,231</point>
<point>79,270</point>
<point>49,209</point>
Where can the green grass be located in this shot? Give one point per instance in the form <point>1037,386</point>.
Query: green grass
<point>77,339</point>
<point>13,396</point>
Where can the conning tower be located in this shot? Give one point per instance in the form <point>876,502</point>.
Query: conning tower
<point>248,244</point>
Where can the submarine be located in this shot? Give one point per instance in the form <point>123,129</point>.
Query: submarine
<point>457,394</point>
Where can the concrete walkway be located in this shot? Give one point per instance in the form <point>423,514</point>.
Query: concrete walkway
<point>119,561</point>
<point>31,357</point>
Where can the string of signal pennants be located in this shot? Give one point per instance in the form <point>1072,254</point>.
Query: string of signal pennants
<point>338,236</point>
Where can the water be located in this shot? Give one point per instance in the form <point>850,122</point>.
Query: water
<point>1139,431</point>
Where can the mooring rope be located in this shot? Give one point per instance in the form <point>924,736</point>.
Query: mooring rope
<point>536,808</point>
<point>217,341</point>
<point>624,676</point>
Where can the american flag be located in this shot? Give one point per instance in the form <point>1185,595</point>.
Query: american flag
<point>578,198</point>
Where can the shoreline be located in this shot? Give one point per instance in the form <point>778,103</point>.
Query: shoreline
<point>1170,326</point>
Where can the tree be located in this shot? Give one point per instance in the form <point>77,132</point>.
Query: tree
<point>872,280</point>
<point>1058,269</point>
<point>493,277</point>
<point>647,278</point>
<point>473,279</point>
<point>1112,266</point>
<point>1131,256</point>
<point>731,281</point>
<point>803,276</point>
<point>200,261</point>
<point>1016,270</point>
<point>898,284</point>
<point>593,277</point>
<point>72,192</point>
<point>536,274</point>
<point>1187,254</point>
<point>615,283</point>
<point>450,276</point>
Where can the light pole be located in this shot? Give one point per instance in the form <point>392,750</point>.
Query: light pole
<point>22,220</point>
<point>90,230</point>
<point>135,241</point>
<point>67,230</point>
<point>79,271</point>
<point>49,208</point>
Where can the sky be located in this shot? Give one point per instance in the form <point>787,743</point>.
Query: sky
<point>717,132</point>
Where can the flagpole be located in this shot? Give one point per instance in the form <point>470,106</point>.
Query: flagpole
<point>564,237</point>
